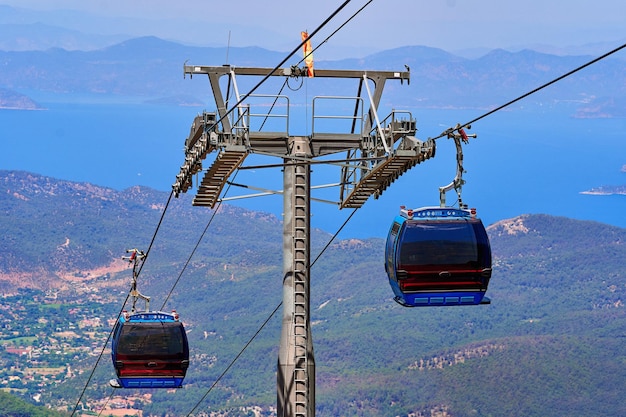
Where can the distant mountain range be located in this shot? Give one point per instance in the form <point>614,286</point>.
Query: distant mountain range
<point>26,29</point>
<point>550,344</point>
<point>151,69</point>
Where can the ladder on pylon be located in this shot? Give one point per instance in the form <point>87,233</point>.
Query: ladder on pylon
<point>215,178</point>
<point>300,292</point>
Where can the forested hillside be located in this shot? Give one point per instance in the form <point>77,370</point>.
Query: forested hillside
<point>551,343</point>
<point>57,232</point>
<point>14,407</point>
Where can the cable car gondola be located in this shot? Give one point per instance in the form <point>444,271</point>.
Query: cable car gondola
<point>438,256</point>
<point>149,350</point>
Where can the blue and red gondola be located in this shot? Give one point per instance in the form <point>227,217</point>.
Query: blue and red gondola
<point>438,256</point>
<point>149,350</point>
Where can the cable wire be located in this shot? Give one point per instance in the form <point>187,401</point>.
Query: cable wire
<point>106,403</point>
<point>336,30</point>
<point>277,67</point>
<point>197,244</point>
<point>230,365</point>
<point>155,232</point>
<point>190,256</point>
<point>523,96</point>
<point>93,370</point>
<point>312,51</point>
<point>334,236</point>
<point>235,359</point>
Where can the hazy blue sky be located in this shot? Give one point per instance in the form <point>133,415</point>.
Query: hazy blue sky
<point>384,24</point>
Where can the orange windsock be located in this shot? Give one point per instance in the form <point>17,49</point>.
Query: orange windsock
<point>308,53</point>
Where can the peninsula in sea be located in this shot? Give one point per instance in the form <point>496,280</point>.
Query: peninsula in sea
<point>608,189</point>
<point>10,99</point>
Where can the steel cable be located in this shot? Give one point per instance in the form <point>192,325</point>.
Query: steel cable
<point>230,365</point>
<point>523,96</point>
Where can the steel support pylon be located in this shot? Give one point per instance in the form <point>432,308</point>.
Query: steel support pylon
<point>296,363</point>
<point>374,161</point>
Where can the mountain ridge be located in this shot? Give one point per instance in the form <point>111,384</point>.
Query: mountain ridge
<point>73,248</point>
<point>69,28</point>
<point>149,68</point>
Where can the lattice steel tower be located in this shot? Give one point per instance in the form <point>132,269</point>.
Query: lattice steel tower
<point>377,153</point>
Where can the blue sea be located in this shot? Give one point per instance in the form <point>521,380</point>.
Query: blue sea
<point>529,158</point>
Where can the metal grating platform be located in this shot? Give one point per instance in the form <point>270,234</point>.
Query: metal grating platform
<point>215,178</point>
<point>382,175</point>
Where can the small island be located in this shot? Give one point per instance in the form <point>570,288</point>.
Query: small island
<point>12,100</point>
<point>606,190</point>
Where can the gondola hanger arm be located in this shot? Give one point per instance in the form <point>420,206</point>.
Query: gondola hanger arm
<point>459,136</point>
<point>135,257</point>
